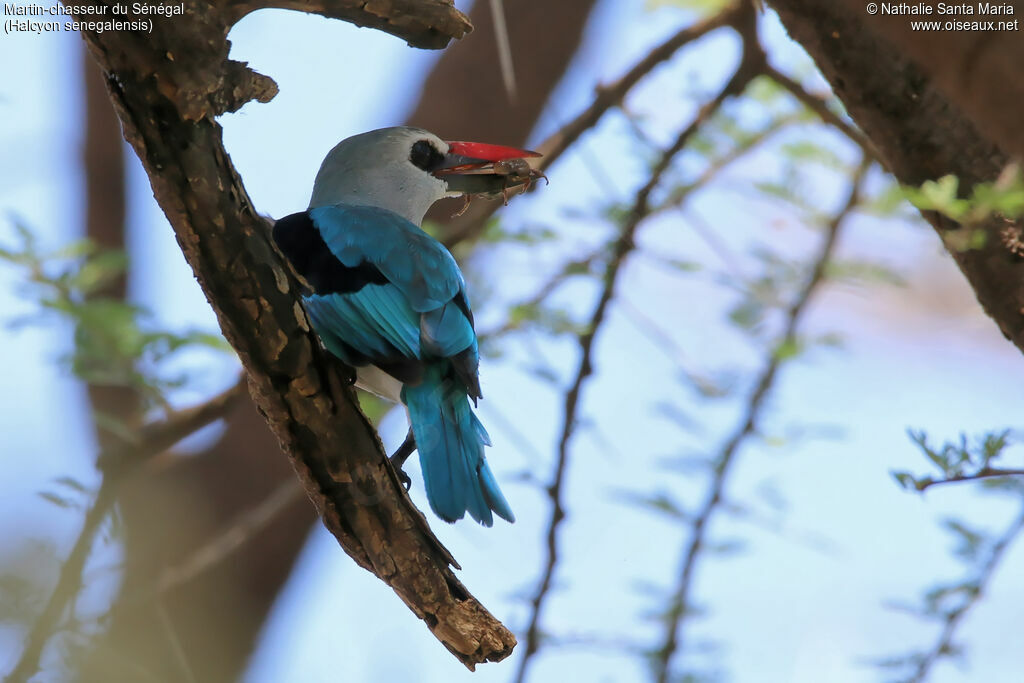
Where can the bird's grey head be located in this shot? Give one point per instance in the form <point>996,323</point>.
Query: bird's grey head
<point>388,167</point>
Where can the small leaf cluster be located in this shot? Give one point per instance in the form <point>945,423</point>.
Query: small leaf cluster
<point>956,461</point>
<point>1003,197</point>
<point>115,343</point>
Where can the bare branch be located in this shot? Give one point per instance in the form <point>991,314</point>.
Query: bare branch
<point>674,641</point>
<point>983,473</point>
<point>508,72</point>
<point>606,98</point>
<point>979,70</point>
<point>247,525</point>
<point>623,247</point>
<point>429,24</point>
<point>920,128</point>
<point>610,96</point>
<point>153,439</point>
<point>302,391</point>
<point>543,292</point>
<point>980,582</point>
<point>819,106</point>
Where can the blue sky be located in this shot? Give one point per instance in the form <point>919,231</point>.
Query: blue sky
<point>803,604</point>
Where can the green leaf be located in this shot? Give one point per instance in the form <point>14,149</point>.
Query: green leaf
<point>57,500</point>
<point>905,480</point>
<point>71,483</point>
<point>661,502</point>
<point>940,195</point>
<point>970,540</point>
<point>789,349</point>
<point>99,271</point>
<point>747,315</point>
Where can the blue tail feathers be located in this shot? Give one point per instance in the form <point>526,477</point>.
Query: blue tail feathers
<point>450,441</point>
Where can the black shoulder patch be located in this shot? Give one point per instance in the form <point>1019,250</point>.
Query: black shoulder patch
<point>466,366</point>
<point>460,301</point>
<point>300,241</point>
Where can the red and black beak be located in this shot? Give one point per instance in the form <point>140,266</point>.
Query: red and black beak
<point>475,168</point>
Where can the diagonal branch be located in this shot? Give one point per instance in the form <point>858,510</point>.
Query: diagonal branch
<point>240,530</point>
<point>923,131</point>
<point>299,388</point>
<point>470,224</point>
<point>610,96</point>
<point>679,604</point>
<point>623,247</point>
<point>979,70</point>
<point>820,107</point>
<point>944,644</point>
<point>430,24</point>
<point>153,439</point>
<point>983,473</point>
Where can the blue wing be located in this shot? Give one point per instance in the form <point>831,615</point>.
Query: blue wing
<point>418,312</point>
<point>417,264</point>
<point>387,294</point>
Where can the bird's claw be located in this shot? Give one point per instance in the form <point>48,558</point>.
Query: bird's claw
<point>399,457</point>
<point>404,478</point>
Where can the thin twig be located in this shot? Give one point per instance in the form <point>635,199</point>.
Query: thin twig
<point>154,438</point>
<point>176,647</point>
<point>508,72</point>
<point>748,425</point>
<point>952,620</point>
<point>819,105</point>
<point>240,530</point>
<point>983,473</point>
<point>606,98</point>
<point>738,152</point>
<point>654,333</point>
<point>610,96</point>
<point>576,267</point>
<point>623,247</point>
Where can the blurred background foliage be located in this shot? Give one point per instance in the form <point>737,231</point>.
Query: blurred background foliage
<point>705,343</point>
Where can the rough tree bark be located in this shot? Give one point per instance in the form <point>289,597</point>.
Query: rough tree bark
<point>978,70</point>
<point>925,120</point>
<point>167,86</point>
<point>234,598</point>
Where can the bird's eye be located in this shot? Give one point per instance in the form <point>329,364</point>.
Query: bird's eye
<point>425,156</point>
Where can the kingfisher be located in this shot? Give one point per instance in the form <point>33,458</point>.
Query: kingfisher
<point>390,301</point>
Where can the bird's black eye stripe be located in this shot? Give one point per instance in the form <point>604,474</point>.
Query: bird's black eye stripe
<point>424,155</point>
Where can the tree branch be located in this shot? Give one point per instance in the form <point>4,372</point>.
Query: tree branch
<point>680,601</point>
<point>952,620</point>
<point>247,525</point>
<point>820,107</point>
<point>544,36</point>
<point>920,132</point>
<point>429,24</point>
<point>471,223</point>
<point>610,96</point>
<point>300,389</point>
<point>979,70</point>
<point>983,473</point>
<point>624,246</point>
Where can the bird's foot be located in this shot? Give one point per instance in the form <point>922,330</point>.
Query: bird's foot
<point>399,457</point>
<point>404,478</point>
